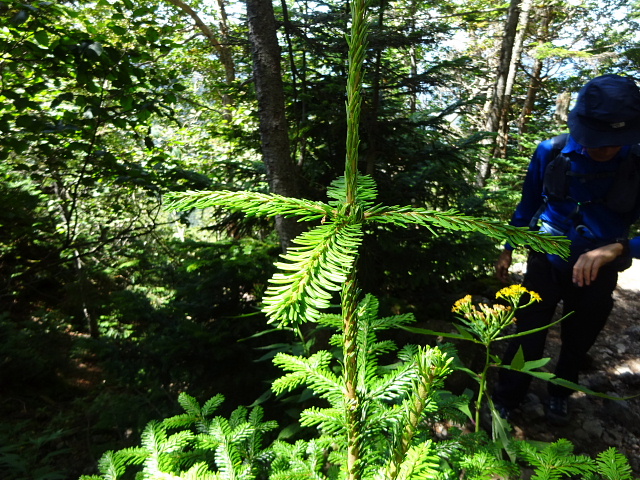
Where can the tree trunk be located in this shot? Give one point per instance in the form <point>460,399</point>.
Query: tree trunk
<point>500,149</point>
<point>274,137</point>
<point>532,92</point>
<point>494,106</point>
<point>543,20</point>
<point>92,323</point>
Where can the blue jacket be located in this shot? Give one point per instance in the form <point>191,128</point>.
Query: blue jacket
<point>587,225</point>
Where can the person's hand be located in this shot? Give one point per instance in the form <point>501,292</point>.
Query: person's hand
<point>586,268</point>
<point>502,266</point>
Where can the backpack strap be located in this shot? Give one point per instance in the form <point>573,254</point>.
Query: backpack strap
<point>555,184</point>
<point>558,143</point>
<point>555,176</point>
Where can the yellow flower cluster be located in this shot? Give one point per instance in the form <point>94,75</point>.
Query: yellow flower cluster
<point>486,322</point>
<point>465,307</point>
<point>486,313</point>
<point>515,292</point>
<point>461,304</point>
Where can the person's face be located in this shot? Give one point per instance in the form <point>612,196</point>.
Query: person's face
<point>604,154</point>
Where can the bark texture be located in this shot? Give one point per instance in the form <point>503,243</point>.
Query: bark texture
<point>494,109</point>
<point>274,137</point>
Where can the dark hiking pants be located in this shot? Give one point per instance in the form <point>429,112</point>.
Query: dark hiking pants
<point>590,305</point>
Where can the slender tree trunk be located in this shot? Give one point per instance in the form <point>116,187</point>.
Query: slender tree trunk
<point>226,58</point>
<point>92,324</point>
<point>563,102</point>
<point>274,137</point>
<point>494,106</point>
<point>500,149</point>
<point>532,92</point>
<point>299,105</point>
<point>543,19</point>
<point>413,94</point>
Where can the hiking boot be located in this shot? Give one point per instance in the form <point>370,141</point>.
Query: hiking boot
<point>558,411</point>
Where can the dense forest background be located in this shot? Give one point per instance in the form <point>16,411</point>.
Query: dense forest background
<point>111,305</point>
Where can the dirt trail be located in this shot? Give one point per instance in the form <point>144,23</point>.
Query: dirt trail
<point>613,369</point>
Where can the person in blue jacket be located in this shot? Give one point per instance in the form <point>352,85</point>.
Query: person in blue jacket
<point>584,186</point>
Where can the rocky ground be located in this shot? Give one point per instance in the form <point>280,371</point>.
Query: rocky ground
<point>614,369</point>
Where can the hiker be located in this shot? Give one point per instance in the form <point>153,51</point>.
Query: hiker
<point>583,185</point>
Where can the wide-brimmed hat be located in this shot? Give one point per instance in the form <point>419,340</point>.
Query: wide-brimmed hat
<point>606,113</point>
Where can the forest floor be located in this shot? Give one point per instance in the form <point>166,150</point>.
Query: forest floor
<point>613,369</point>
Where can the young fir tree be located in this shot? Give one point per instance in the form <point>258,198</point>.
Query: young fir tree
<point>373,426</point>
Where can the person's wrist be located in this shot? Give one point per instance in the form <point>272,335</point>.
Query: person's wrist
<point>625,246</point>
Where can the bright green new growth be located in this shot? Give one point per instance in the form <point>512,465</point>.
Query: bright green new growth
<point>557,461</point>
<point>396,398</point>
<point>376,424</point>
<point>323,257</point>
<point>232,447</point>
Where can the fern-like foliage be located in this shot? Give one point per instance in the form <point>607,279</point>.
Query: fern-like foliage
<point>612,465</point>
<point>113,465</point>
<point>454,221</point>
<point>196,446</point>
<point>253,204</point>
<point>163,449</point>
<point>486,464</point>
<point>313,371</point>
<point>555,461</point>
<point>319,265</point>
<point>366,192</point>
<point>301,461</point>
<point>420,463</point>
<point>194,414</point>
<point>396,399</point>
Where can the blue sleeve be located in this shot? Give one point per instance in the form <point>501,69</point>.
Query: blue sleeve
<point>531,198</point>
<point>634,247</point>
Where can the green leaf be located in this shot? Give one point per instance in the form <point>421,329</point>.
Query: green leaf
<point>126,102</point>
<point>425,331</point>
<point>140,12</point>
<point>518,360</point>
<point>117,29</point>
<point>152,34</point>
<point>64,97</point>
<point>463,331</point>
<point>547,376</point>
<point>534,364</point>
<point>41,37</point>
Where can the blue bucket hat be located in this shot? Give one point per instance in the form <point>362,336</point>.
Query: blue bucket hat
<point>606,113</point>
